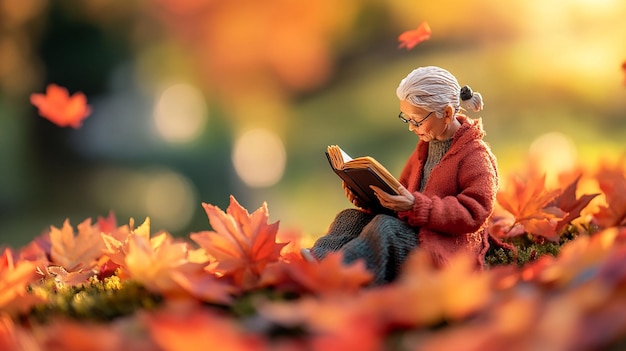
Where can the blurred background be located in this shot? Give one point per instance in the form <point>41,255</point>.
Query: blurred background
<point>195,100</point>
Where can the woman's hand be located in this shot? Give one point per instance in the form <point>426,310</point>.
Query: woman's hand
<point>402,202</point>
<point>350,195</point>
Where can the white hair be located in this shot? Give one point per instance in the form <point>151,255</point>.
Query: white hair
<point>433,88</point>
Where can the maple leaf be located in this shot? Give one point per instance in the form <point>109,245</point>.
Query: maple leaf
<point>71,335</point>
<point>528,202</point>
<point>624,71</point>
<point>612,183</point>
<point>164,265</point>
<point>568,202</point>
<point>63,277</point>
<point>109,226</point>
<point>154,262</point>
<point>330,275</point>
<point>411,38</point>
<point>578,258</point>
<point>60,108</point>
<point>76,252</point>
<point>15,276</point>
<point>426,295</point>
<point>242,244</point>
<point>334,322</point>
<point>116,246</point>
<point>14,336</point>
<point>189,326</point>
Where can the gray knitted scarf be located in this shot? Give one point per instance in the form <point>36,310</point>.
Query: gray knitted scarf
<point>436,150</point>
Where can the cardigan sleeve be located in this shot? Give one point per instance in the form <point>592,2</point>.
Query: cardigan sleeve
<point>409,168</point>
<point>468,210</point>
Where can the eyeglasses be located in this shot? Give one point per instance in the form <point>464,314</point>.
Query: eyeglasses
<point>404,118</point>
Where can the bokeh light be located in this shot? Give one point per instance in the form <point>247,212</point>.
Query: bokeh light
<point>167,197</point>
<point>170,198</point>
<point>259,158</point>
<point>553,153</point>
<point>180,113</point>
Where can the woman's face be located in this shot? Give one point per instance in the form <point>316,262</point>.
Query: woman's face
<point>429,128</point>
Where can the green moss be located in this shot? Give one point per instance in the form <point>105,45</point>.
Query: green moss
<point>528,248</point>
<point>99,300</point>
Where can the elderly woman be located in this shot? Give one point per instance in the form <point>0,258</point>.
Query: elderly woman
<point>449,185</point>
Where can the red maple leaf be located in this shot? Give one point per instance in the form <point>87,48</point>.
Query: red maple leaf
<point>568,202</point>
<point>242,244</point>
<point>410,38</point>
<point>529,203</point>
<point>60,108</point>
<point>612,182</point>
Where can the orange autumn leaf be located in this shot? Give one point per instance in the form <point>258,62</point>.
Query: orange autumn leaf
<point>577,258</point>
<point>116,246</point>
<point>15,337</point>
<point>70,335</point>
<point>163,264</point>
<point>15,276</point>
<point>427,295</point>
<point>568,202</point>
<point>330,275</point>
<point>242,244</point>
<point>612,182</point>
<point>344,322</point>
<point>624,71</point>
<point>79,252</point>
<point>193,327</point>
<point>57,106</point>
<point>411,38</point>
<point>155,262</point>
<point>529,203</point>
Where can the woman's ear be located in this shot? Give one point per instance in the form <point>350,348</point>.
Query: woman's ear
<point>448,113</point>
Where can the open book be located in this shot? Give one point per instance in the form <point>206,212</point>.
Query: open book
<point>361,172</point>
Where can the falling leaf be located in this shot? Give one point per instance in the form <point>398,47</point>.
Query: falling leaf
<point>624,71</point>
<point>528,201</point>
<point>242,244</point>
<point>60,108</point>
<point>413,37</point>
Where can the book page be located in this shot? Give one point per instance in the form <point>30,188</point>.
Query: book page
<point>338,157</point>
<point>345,156</point>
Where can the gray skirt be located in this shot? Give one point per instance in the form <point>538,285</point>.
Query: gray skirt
<point>382,241</point>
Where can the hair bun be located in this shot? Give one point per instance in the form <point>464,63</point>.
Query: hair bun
<point>466,93</point>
